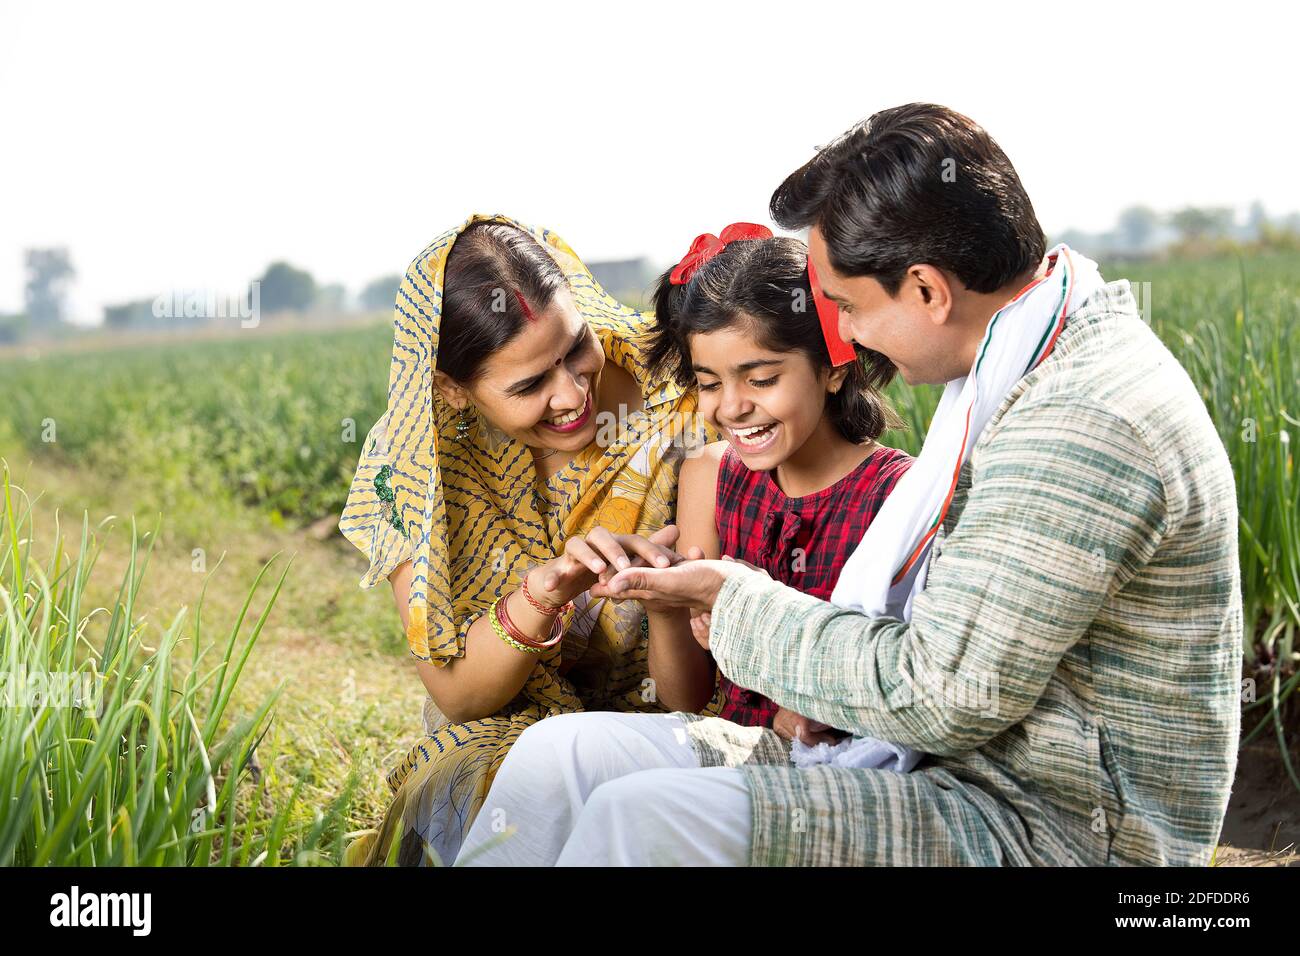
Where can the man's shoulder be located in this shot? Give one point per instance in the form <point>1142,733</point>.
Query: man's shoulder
<point>1108,358</point>
<point>1111,374</point>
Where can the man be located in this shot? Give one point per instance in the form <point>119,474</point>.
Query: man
<point>1058,628</point>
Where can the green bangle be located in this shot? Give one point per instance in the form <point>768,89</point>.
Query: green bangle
<point>501,632</point>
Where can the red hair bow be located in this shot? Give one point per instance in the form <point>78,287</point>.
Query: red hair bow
<point>707,246</point>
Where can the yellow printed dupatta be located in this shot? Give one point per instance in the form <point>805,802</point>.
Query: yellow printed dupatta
<point>466,511</point>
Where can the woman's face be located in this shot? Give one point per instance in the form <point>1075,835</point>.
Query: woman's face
<point>766,403</point>
<point>541,387</point>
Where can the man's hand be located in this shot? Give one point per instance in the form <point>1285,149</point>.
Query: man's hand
<point>792,726</point>
<point>688,584</point>
<point>597,557</point>
<point>691,584</point>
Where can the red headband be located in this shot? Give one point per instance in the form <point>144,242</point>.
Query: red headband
<point>707,246</point>
<point>829,315</point>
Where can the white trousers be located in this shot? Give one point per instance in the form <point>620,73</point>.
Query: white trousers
<point>604,789</point>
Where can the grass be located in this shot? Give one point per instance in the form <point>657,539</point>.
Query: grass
<point>270,420</point>
<point>347,700</point>
<point>130,759</point>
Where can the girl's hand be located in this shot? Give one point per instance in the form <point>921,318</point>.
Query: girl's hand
<point>597,557</point>
<point>752,567</point>
<point>700,621</point>
<point>792,726</point>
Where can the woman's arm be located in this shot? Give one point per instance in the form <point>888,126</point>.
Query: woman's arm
<point>682,670</point>
<point>491,672</point>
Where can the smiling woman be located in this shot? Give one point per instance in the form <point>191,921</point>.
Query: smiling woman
<point>517,350</point>
<point>499,507</point>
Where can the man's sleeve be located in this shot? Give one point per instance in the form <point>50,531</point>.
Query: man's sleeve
<point>1066,504</point>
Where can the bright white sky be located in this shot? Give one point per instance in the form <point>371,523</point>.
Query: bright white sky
<point>176,145</point>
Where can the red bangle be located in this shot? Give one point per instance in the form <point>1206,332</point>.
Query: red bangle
<point>541,606</point>
<point>553,638</point>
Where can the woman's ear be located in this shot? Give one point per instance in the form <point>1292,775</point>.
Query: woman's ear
<point>452,393</point>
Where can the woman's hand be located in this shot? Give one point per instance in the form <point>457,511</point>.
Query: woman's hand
<point>597,557</point>
<point>792,726</point>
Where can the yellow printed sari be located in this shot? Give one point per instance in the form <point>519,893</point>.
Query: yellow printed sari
<point>472,515</point>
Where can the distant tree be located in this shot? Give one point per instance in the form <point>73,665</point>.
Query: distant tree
<point>128,315</point>
<point>284,287</point>
<point>331,298</point>
<point>1194,223</point>
<point>1137,225</point>
<point>381,293</point>
<point>1256,221</point>
<point>13,328</point>
<point>49,272</point>
<point>1089,243</point>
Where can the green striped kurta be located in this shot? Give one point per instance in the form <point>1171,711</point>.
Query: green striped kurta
<point>1073,664</point>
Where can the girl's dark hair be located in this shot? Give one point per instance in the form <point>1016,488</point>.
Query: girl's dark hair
<point>764,282</point>
<point>489,266</point>
<point>913,184</point>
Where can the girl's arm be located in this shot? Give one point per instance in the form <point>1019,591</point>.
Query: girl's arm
<point>682,670</point>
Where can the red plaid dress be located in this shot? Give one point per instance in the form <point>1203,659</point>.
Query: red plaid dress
<point>801,542</point>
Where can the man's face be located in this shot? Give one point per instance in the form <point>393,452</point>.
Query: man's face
<point>900,327</point>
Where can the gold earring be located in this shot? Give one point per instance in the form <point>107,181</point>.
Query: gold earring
<point>462,424</point>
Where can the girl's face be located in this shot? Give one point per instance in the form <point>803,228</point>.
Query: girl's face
<point>540,388</point>
<point>767,404</point>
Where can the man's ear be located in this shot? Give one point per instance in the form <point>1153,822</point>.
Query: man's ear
<point>452,393</point>
<point>931,287</point>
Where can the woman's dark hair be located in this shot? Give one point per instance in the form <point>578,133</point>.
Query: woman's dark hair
<point>764,283</point>
<point>491,264</point>
<point>913,184</point>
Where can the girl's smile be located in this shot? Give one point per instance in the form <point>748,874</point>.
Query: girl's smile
<point>754,439</point>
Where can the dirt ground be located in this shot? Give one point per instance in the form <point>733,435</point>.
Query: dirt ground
<point>1262,827</point>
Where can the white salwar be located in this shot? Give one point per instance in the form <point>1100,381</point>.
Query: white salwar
<point>607,789</point>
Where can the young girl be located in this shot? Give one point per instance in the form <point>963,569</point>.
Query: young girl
<point>800,475</point>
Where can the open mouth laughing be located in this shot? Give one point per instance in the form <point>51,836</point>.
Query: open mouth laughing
<point>754,438</point>
<point>569,421</point>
